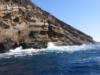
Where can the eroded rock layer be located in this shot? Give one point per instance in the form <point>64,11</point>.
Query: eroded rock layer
<point>24,24</point>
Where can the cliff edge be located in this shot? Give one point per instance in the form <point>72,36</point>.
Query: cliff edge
<point>24,24</point>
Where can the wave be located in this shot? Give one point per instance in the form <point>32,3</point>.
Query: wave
<point>51,48</point>
<point>89,59</point>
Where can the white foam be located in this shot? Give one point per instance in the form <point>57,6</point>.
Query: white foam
<point>51,48</point>
<point>71,49</point>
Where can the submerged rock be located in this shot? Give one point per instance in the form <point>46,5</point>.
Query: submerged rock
<point>24,24</point>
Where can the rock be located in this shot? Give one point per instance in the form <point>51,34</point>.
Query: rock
<point>24,24</point>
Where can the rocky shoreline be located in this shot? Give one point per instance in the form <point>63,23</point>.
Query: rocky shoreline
<point>24,24</point>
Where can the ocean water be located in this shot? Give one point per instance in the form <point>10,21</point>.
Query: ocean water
<point>54,60</point>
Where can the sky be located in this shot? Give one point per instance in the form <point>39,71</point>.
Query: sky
<point>81,14</point>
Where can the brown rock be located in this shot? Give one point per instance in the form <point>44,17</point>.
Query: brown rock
<point>24,24</point>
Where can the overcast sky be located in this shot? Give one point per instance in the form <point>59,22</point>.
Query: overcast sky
<point>82,14</point>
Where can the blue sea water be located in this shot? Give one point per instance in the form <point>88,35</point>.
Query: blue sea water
<point>55,60</point>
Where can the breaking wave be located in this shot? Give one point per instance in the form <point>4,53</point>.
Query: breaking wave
<point>51,48</point>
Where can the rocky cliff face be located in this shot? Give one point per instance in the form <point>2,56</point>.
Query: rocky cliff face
<point>24,24</point>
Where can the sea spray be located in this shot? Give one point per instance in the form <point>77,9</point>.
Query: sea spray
<point>53,60</point>
<point>18,52</point>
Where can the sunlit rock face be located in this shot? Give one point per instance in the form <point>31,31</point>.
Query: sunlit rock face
<point>24,24</point>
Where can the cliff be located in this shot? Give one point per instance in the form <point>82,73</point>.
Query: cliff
<point>24,24</point>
